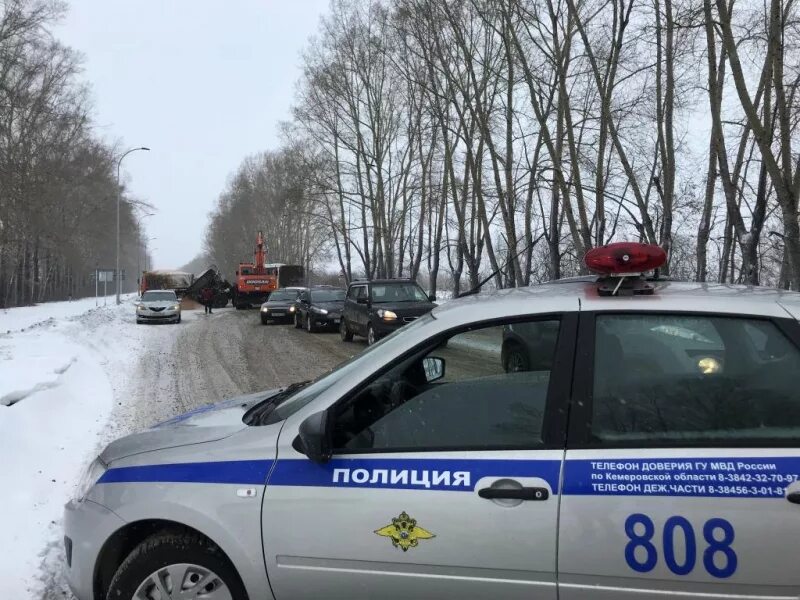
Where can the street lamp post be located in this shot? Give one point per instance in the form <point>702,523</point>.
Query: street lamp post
<point>117,277</point>
<point>145,258</point>
<point>139,249</point>
<point>147,240</point>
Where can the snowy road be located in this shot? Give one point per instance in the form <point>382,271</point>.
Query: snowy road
<point>75,378</point>
<point>222,355</point>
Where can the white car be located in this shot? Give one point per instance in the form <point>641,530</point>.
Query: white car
<point>158,306</point>
<point>597,438</point>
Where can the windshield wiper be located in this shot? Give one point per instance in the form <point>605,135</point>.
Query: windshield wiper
<point>257,414</point>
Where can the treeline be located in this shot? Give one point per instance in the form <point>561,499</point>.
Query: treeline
<point>58,184</point>
<point>450,139</point>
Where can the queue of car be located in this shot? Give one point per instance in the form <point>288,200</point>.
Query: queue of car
<point>368,308</point>
<point>603,437</point>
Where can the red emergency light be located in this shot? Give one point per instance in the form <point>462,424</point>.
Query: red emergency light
<point>625,258</point>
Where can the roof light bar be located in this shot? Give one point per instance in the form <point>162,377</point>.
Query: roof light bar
<point>624,258</point>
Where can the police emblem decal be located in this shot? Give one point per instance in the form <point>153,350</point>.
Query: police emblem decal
<point>404,532</point>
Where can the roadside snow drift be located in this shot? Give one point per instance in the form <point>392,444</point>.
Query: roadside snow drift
<point>62,367</point>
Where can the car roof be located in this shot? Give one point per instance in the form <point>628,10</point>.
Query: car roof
<point>397,280</point>
<point>324,287</point>
<point>582,294</point>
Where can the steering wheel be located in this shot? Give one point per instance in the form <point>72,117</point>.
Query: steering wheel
<point>401,392</point>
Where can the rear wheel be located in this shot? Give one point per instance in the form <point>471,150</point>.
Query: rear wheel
<point>347,335</point>
<point>175,565</point>
<point>371,339</point>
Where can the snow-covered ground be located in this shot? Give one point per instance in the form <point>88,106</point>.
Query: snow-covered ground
<point>62,368</point>
<point>17,319</point>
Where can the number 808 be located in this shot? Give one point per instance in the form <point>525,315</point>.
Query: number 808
<point>717,533</point>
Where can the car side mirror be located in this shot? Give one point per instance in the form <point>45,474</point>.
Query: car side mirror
<point>314,437</point>
<point>363,300</point>
<point>434,368</point>
<point>432,297</point>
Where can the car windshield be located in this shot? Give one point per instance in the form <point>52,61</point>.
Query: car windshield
<point>159,296</point>
<point>348,368</point>
<point>282,295</point>
<point>327,295</point>
<point>397,292</point>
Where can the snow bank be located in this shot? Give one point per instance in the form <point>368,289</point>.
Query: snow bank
<point>62,368</point>
<point>25,317</point>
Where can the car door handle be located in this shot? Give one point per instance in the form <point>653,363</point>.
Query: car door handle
<point>526,493</point>
<point>793,497</point>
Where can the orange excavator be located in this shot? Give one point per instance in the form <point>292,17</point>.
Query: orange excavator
<point>253,283</point>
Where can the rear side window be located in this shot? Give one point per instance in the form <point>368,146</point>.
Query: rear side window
<point>664,378</point>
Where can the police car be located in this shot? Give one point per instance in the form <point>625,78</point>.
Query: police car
<point>656,452</point>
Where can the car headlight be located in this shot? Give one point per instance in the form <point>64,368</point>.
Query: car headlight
<point>320,311</point>
<point>175,307</point>
<point>291,309</point>
<point>140,307</point>
<point>387,315</point>
<point>264,309</point>
<point>89,478</point>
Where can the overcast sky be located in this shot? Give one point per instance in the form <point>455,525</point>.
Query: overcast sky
<point>203,83</point>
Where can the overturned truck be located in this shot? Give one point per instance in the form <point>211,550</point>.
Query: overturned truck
<point>212,278</point>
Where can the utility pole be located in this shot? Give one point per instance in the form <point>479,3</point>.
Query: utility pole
<point>117,279</point>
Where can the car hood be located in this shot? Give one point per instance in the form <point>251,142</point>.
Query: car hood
<point>279,304</point>
<point>330,306</point>
<point>160,303</point>
<point>405,309</point>
<point>204,424</point>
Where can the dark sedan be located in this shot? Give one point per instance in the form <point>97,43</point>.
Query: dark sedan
<point>319,307</point>
<point>280,306</point>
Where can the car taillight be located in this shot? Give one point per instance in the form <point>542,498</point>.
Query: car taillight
<point>625,258</point>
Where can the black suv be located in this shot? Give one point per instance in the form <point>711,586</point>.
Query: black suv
<point>376,308</point>
<point>319,306</point>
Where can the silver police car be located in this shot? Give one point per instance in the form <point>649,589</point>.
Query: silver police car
<point>602,437</point>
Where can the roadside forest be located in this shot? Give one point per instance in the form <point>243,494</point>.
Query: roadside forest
<point>58,179</point>
<point>447,140</point>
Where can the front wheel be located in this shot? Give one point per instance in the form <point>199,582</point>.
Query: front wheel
<point>297,323</point>
<point>177,565</point>
<point>311,327</point>
<point>347,335</point>
<point>371,339</point>
<point>264,321</point>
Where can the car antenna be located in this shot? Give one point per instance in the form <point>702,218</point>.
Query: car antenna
<point>481,283</point>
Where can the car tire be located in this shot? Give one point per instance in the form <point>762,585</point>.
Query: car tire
<point>371,338</point>
<point>297,323</point>
<point>165,555</point>
<point>344,331</point>
<point>516,360</point>
<point>311,327</point>
<point>139,321</point>
<point>264,321</point>
<point>178,320</point>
